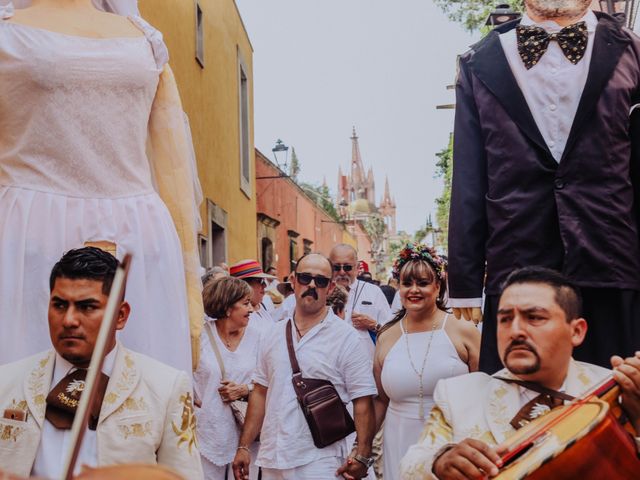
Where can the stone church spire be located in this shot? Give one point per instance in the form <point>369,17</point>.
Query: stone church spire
<point>388,208</point>
<point>357,168</point>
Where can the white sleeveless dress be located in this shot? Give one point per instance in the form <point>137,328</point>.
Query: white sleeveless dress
<point>74,113</point>
<point>402,425</point>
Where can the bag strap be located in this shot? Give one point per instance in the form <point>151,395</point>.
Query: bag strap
<point>216,350</point>
<point>538,388</point>
<point>292,354</point>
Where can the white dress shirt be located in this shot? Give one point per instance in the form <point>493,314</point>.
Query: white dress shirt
<point>552,89</point>
<point>368,299</point>
<point>54,443</point>
<point>331,350</point>
<point>285,309</point>
<point>267,303</point>
<point>261,317</point>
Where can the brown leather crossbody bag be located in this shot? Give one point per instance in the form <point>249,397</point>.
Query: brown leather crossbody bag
<point>326,415</point>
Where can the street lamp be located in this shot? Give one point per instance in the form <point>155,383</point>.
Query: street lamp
<point>502,14</point>
<point>625,9</point>
<point>281,154</point>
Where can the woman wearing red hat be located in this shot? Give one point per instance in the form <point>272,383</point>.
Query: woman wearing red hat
<point>251,272</point>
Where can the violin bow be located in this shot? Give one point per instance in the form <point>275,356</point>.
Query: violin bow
<point>107,328</point>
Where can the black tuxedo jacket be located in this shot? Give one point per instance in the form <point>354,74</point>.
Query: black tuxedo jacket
<point>513,205</point>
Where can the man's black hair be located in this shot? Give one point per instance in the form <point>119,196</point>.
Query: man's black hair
<point>567,293</point>
<point>88,263</point>
<point>366,277</point>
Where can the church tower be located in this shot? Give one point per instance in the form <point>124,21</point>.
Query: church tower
<point>388,209</point>
<point>361,184</point>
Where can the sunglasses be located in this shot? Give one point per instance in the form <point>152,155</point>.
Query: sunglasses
<point>305,279</point>
<point>342,266</point>
<point>256,281</point>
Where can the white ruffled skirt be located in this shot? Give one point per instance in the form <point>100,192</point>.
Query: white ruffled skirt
<point>36,228</point>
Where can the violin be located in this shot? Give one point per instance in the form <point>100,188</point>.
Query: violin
<point>586,439</point>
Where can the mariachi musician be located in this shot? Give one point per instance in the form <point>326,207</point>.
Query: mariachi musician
<point>143,413</point>
<point>539,325</point>
<point>545,169</point>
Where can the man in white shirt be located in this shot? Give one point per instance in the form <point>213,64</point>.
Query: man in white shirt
<point>326,348</point>
<point>367,308</point>
<point>539,325</point>
<point>544,131</point>
<point>144,410</point>
<point>251,272</point>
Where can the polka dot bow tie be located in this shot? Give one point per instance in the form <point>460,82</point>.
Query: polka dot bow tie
<point>533,42</point>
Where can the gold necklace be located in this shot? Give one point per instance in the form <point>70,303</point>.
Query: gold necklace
<point>226,341</point>
<point>424,362</point>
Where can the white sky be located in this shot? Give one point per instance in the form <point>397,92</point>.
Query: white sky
<point>322,66</point>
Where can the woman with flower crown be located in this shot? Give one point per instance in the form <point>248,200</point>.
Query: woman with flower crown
<point>417,348</point>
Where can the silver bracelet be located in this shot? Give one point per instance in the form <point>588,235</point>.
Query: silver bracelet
<point>243,447</point>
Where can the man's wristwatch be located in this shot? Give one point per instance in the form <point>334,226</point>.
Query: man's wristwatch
<point>367,462</point>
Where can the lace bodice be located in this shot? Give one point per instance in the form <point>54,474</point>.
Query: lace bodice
<point>74,110</point>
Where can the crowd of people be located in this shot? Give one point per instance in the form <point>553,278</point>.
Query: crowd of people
<point>405,376</point>
<point>241,416</point>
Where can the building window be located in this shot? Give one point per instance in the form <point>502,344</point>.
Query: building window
<point>307,246</point>
<point>267,235</point>
<point>266,253</point>
<point>203,250</point>
<point>245,144</point>
<point>293,249</point>
<point>199,35</point>
<point>217,240</point>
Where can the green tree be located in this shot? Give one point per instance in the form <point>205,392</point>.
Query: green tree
<point>294,168</point>
<point>473,14</point>
<point>444,170</point>
<point>420,235</point>
<point>395,247</point>
<point>375,226</point>
<point>322,197</point>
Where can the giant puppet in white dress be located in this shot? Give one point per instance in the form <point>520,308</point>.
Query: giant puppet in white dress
<point>93,149</point>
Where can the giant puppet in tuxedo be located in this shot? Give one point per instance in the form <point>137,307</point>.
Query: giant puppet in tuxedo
<point>546,169</point>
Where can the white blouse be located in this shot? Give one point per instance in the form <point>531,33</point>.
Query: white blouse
<point>218,435</point>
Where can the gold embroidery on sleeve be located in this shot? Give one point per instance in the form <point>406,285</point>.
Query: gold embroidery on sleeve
<point>187,431</point>
<point>437,430</point>
<point>436,433</point>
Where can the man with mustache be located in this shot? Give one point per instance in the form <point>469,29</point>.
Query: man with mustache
<point>367,308</point>
<point>326,348</point>
<point>143,412</point>
<point>539,325</point>
<point>546,129</point>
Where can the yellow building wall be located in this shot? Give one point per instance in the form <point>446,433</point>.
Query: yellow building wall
<point>349,239</point>
<point>210,97</point>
